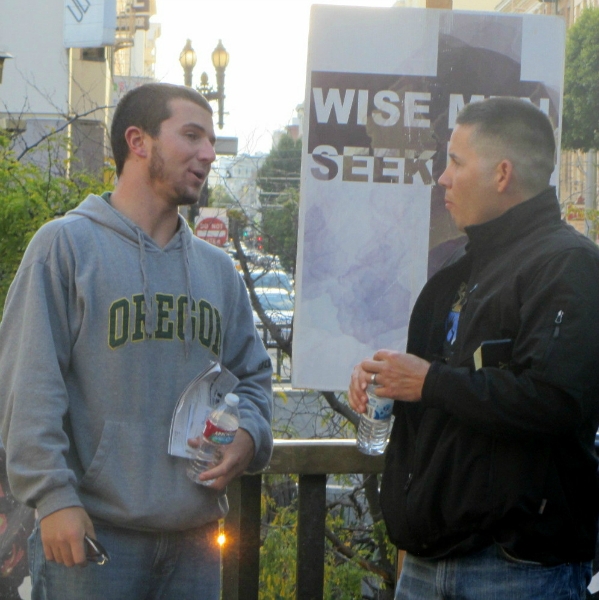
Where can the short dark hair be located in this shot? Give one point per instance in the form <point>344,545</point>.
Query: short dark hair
<point>146,107</point>
<point>517,130</point>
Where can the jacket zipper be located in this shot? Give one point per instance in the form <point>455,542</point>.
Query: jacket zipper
<point>558,321</point>
<point>556,331</point>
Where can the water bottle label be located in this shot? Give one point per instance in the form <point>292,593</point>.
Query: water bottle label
<point>217,435</point>
<point>379,408</point>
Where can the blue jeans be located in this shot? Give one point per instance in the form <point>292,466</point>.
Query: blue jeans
<point>490,575</point>
<point>181,565</point>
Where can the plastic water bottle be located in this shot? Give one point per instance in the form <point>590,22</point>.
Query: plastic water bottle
<point>219,431</point>
<point>375,424</point>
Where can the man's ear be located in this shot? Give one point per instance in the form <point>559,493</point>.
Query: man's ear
<point>504,175</point>
<point>136,140</point>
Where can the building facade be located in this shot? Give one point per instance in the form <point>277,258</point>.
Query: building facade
<point>575,166</point>
<point>72,60</point>
<point>568,9</point>
<point>238,177</point>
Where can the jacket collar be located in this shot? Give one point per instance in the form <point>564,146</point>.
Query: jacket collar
<point>518,221</point>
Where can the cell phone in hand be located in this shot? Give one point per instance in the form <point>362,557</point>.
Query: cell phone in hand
<point>95,552</point>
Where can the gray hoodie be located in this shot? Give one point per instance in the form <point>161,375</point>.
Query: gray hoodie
<point>102,331</point>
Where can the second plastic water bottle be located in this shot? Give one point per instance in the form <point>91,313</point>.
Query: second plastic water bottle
<point>219,431</point>
<point>375,424</point>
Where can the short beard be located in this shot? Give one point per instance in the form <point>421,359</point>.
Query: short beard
<point>156,172</point>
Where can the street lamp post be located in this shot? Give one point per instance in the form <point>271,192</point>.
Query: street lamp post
<point>188,60</point>
<point>3,56</point>
<point>220,60</point>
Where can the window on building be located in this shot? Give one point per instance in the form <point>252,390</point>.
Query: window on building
<point>93,54</point>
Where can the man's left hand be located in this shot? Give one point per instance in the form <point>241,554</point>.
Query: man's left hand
<point>397,375</point>
<point>237,457</point>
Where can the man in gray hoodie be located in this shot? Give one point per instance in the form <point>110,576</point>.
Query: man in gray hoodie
<point>115,308</point>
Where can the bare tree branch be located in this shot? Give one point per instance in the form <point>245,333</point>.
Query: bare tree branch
<point>274,330</point>
<point>342,408</point>
<point>350,553</point>
<point>68,121</point>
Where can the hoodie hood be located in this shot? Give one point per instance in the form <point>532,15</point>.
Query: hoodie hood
<point>100,210</point>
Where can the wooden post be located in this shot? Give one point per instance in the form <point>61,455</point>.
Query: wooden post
<point>311,515</point>
<point>249,542</point>
<point>230,552</point>
<point>439,4</point>
<point>241,554</point>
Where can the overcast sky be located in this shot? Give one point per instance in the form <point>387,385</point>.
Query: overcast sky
<point>267,41</point>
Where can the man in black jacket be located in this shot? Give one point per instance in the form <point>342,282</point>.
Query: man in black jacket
<point>490,479</point>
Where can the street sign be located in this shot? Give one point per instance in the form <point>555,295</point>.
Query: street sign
<point>213,228</point>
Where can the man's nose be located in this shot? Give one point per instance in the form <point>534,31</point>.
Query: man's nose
<point>207,152</point>
<point>444,179</point>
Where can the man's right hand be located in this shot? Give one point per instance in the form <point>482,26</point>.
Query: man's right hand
<point>62,535</point>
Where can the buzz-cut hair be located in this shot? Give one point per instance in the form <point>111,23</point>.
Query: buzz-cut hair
<point>146,107</point>
<point>516,130</point>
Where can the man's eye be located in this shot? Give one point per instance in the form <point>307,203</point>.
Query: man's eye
<point>192,136</point>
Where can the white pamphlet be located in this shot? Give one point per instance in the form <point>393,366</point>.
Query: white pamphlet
<point>196,402</point>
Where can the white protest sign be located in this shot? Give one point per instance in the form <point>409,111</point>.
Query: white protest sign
<point>383,90</point>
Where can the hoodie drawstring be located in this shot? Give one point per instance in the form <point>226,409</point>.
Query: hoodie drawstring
<point>187,332</point>
<point>150,317</point>
<point>150,313</point>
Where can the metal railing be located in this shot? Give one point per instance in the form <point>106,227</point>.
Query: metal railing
<point>312,461</point>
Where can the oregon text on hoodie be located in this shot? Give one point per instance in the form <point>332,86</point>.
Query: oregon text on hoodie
<point>102,331</point>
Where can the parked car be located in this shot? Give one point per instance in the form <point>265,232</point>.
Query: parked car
<point>278,306</point>
<point>272,279</point>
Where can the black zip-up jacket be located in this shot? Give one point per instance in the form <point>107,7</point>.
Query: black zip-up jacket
<point>504,453</point>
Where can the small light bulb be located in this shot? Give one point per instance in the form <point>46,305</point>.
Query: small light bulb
<point>221,539</point>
